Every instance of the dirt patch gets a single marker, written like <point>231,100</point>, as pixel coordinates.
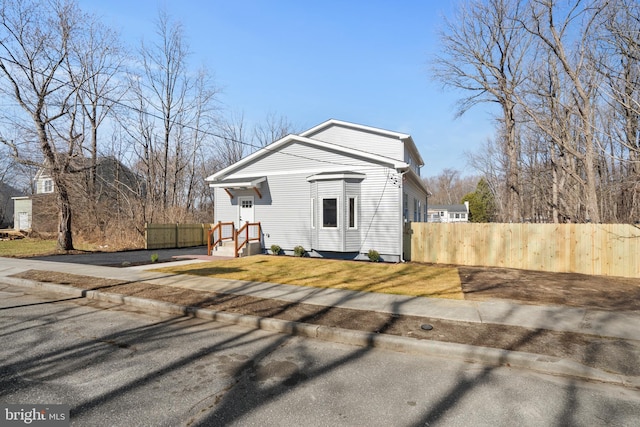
<point>609,354</point>
<point>537,287</point>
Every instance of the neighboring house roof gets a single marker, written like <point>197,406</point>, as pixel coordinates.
<point>7,193</point>
<point>401,166</point>
<point>108,168</point>
<point>448,208</point>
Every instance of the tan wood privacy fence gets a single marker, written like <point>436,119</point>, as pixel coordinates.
<point>163,236</point>
<point>597,249</point>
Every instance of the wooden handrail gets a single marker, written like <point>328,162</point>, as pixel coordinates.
<point>219,227</point>
<point>245,229</point>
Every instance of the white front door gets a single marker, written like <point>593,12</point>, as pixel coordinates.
<point>245,210</point>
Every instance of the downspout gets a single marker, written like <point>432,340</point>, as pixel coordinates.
<point>402,171</point>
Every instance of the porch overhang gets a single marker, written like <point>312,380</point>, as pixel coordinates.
<point>228,185</point>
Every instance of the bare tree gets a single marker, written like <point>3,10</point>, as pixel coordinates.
<point>272,129</point>
<point>232,144</point>
<point>449,187</point>
<point>484,52</point>
<point>577,99</point>
<point>202,122</point>
<point>551,28</point>
<point>165,86</point>
<point>619,63</point>
<point>99,57</point>
<point>489,161</point>
<point>172,118</point>
<point>35,40</point>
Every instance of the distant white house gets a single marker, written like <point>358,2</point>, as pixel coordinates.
<point>338,189</point>
<point>448,213</point>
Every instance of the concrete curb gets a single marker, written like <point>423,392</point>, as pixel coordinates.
<point>474,354</point>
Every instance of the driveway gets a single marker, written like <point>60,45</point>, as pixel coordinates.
<point>127,258</point>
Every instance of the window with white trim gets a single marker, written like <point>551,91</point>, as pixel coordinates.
<point>313,212</point>
<point>47,186</point>
<point>353,212</point>
<point>330,213</point>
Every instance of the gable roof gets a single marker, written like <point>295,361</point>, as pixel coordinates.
<point>406,138</point>
<point>289,139</point>
<point>448,208</point>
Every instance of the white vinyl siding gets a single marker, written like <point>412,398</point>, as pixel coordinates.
<point>415,200</point>
<point>284,211</point>
<point>298,157</point>
<point>381,214</point>
<point>411,160</point>
<point>291,207</point>
<point>363,141</point>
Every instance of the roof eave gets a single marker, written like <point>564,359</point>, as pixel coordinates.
<point>335,122</point>
<point>400,166</point>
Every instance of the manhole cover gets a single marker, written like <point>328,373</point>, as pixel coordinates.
<point>426,327</point>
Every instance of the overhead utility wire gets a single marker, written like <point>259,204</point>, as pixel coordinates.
<point>187,126</point>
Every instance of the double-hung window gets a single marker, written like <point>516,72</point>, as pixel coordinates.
<point>48,186</point>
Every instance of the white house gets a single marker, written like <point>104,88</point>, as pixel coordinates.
<point>338,189</point>
<point>449,213</point>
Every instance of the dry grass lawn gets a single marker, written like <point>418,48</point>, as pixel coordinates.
<point>28,247</point>
<point>401,279</point>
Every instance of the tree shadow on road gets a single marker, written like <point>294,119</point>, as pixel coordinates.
<point>246,390</point>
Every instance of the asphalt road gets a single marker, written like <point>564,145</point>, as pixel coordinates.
<point>119,367</point>
<point>116,259</point>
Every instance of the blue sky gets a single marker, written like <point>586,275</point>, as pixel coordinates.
<point>360,61</point>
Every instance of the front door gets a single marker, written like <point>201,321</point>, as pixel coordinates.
<point>245,210</point>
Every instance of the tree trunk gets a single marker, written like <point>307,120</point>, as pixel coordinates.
<point>513,155</point>
<point>65,239</point>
